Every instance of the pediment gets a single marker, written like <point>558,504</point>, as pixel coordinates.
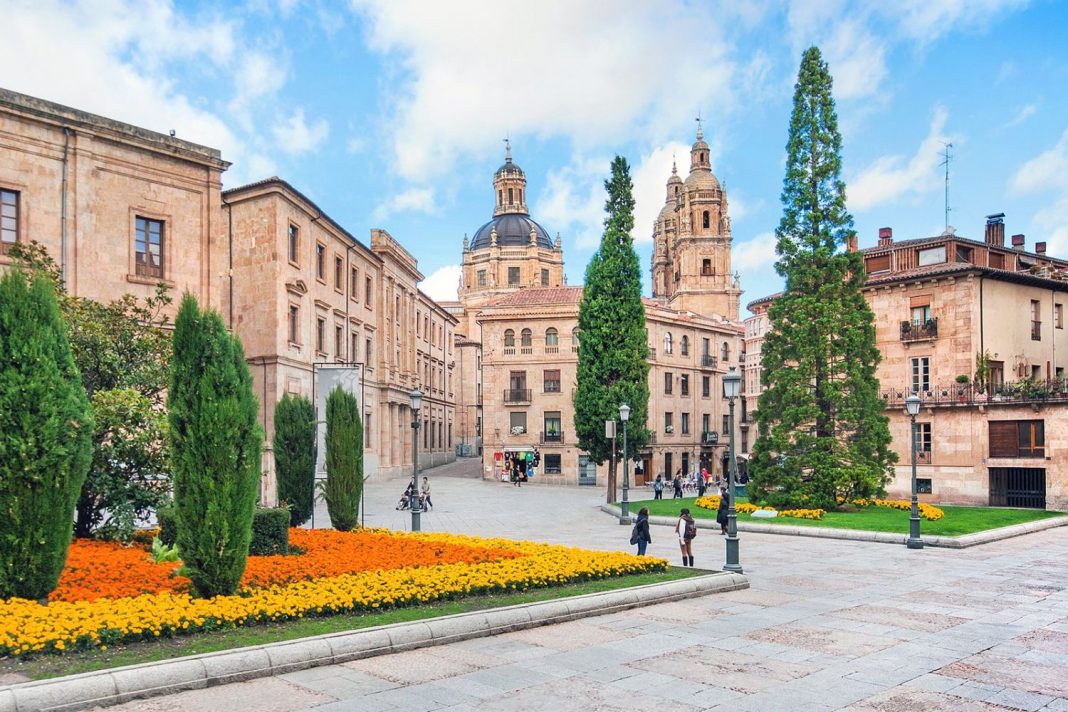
<point>297,287</point>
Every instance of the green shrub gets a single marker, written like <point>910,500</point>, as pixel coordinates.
<point>45,437</point>
<point>270,532</point>
<point>168,525</point>
<point>216,450</point>
<point>344,459</point>
<point>294,456</point>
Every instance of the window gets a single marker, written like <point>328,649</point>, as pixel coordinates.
<point>500,197</point>
<point>575,339</point>
<point>294,324</point>
<point>551,379</point>
<point>368,292</point>
<point>511,196</point>
<point>552,426</point>
<point>367,351</point>
<point>669,422</point>
<point>965,254</point>
<point>923,485</point>
<point>706,386</point>
<point>320,334</point>
<point>552,337</point>
<point>684,384</point>
<point>320,261</point>
<point>921,374</point>
<point>367,429</point>
<point>685,422</point>
<point>706,347</point>
<point>704,220</point>
<point>1058,316</point>
<point>706,423</point>
<point>526,338</point>
<point>880,263</point>
<point>339,342</point>
<point>706,268</point>
<point>513,276</point>
<point>1036,321</point>
<point>354,347</point>
<point>509,339</point>
<point>725,352</point>
<point>354,284</point>
<point>931,256</point>
<point>339,271</point>
<point>684,345</point>
<point>545,278</point>
<point>480,277</point>
<point>9,219</point>
<point>726,425</point>
<point>517,422</point>
<point>997,373</point>
<point>923,439</point>
<point>148,247</point>
<point>1017,438</point>
<point>668,381</point>
<point>294,244</point>
<point>552,465</point>
<point>667,343</point>
<point>997,260</point>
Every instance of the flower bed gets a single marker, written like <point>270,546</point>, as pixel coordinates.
<point>927,511</point>
<point>375,575</point>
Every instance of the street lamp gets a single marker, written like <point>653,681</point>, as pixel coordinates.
<point>912,407</point>
<point>732,387</point>
<point>624,512</point>
<point>417,402</point>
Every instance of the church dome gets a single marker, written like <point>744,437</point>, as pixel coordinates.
<point>509,168</point>
<point>701,179</point>
<point>513,230</point>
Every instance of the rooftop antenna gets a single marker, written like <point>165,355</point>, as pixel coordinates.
<point>946,158</point>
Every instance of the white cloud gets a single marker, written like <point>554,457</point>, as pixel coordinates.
<point>441,286</point>
<point>891,177</point>
<point>413,200</point>
<point>650,185</point>
<point>754,256</point>
<point>573,200</point>
<point>598,73</point>
<point>258,74</point>
<point>295,136</point>
<point>1025,112</point>
<point>928,20</point>
<point>857,60</point>
<point>356,145</point>
<point>1048,173</point>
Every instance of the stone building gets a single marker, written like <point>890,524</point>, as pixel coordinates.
<point>976,329</point>
<point>517,306</point>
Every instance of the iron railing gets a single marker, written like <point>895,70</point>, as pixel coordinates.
<point>516,395</point>
<point>918,331</point>
<point>708,361</point>
<point>961,394</point>
<point>556,436</point>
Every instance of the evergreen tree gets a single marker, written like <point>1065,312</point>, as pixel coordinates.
<point>294,455</point>
<point>216,448</point>
<point>822,432</point>
<point>612,365</point>
<point>45,437</point>
<point>344,459</point>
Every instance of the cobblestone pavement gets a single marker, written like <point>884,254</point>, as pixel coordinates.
<point>826,625</point>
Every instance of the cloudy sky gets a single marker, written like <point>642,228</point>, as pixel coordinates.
<point>391,113</point>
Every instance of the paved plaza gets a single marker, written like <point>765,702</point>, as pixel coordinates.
<point>826,625</point>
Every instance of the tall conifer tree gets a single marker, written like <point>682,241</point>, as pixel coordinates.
<point>344,460</point>
<point>613,349</point>
<point>294,456</point>
<point>822,432</point>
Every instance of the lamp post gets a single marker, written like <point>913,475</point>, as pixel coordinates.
<point>624,511</point>
<point>912,407</point>
<point>732,387</point>
<point>417,402</point>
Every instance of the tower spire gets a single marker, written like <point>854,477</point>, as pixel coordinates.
<point>674,168</point>
<point>700,132</point>
<point>507,150</point>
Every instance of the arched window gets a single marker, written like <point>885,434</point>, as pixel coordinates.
<point>509,339</point>
<point>525,337</point>
<point>684,345</point>
<point>552,337</point>
<point>667,342</point>
<point>575,339</point>
<point>704,219</point>
<point>510,193</point>
<point>725,352</point>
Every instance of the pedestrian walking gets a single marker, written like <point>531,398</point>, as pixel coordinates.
<point>640,533</point>
<point>686,528</point>
<point>721,513</point>
<point>700,485</point>
<point>658,488</point>
<point>426,494</point>
<point>676,493</point>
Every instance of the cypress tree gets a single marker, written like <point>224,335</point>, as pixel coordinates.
<point>822,432</point>
<point>294,456</point>
<point>344,459</point>
<point>216,448</point>
<point>45,437</point>
<point>612,365</point>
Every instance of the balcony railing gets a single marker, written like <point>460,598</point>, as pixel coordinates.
<point>516,395</point>
<point>556,437</point>
<point>709,437</point>
<point>968,394</point>
<point>919,331</point>
<point>708,361</point>
<point>923,457</point>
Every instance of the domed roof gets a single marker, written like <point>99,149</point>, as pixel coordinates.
<point>509,168</point>
<point>513,230</point>
<point>702,179</point>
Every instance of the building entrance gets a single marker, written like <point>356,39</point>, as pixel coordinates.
<point>1018,487</point>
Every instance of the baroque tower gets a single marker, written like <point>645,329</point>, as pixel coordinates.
<point>691,259</point>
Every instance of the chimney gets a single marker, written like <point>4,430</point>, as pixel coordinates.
<point>1017,242</point>
<point>995,229</point>
<point>1040,248</point>
<point>851,243</point>
<point>886,236</point>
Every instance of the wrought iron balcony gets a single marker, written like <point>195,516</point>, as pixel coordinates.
<point>708,361</point>
<point>517,395</point>
<point>555,436</point>
<point>919,331</point>
<point>969,394</point>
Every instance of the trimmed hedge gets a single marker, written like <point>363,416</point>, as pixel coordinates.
<point>270,530</point>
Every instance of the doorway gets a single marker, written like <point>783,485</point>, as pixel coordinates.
<point>1018,487</point>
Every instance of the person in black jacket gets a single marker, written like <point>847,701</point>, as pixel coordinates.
<point>721,513</point>
<point>641,529</point>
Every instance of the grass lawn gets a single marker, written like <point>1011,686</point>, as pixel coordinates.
<point>46,666</point>
<point>957,520</point>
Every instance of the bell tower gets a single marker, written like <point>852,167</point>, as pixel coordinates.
<point>510,185</point>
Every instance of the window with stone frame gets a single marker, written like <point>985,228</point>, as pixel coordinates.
<point>685,423</point>
<point>354,284</point>
<point>480,278</point>
<point>667,342</point>
<point>552,464</point>
<point>921,374</point>
<point>293,239</point>
<point>513,276</point>
<point>517,422</point>
<point>339,274</point>
<point>545,278</point>
<point>684,384</point>
<point>368,292</point>
<point>706,268</point>
<point>339,342</point>
<point>320,261</point>
<point>9,219</point>
<point>320,335</point>
<point>669,422</point>
<point>684,345</point>
<point>669,381</point>
<point>148,247</point>
<point>706,386</point>
<point>551,380</point>
<point>294,324</point>
<point>1017,438</point>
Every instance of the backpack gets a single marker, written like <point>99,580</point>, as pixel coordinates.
<point>634,534</point>
<point>658,486</point>
<point>691,530</point>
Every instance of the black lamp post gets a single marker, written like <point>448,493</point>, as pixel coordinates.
<point>732,387</point>
<point>417,403</point>
<point>912,407</point>
<point>624,511</point>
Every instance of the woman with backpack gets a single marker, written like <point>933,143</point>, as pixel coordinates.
<point>686,528</point>
<point>640,534</point>
<point>658,488</point>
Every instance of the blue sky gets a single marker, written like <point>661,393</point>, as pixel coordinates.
<point>391,113</point>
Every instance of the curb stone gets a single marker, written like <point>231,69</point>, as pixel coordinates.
<point>947,542</point>
<point>118,685</point>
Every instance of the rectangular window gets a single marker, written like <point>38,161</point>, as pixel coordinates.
<point>669,422</point>
<point>706,423</point>
<point>931,256</point>
<point>545,278</point>
<point>513,276</point>
<point>9,219</point>
<point>294,244</point>
<point>1036,320</point>
<point>684,384</point>
<point>339,271</point>
<point>685,422</point>
<point>354,347</point>
<point>320,334</point>
<point>997,373</point>
<point>552,381</point>
<point>706,386</point>
<point>551,425</point>
<point>1058,316</point>
<point>294,324</point>
<point>706,268</point>
<point>668,380</point>
<point>552,465</point>
<point>997,260</point>
<point>726,424</point>
<point>354,284</point>
<point>148,247</point>
<point>921,374</point>
<point>367,429</point>
<point>367,353</point>
<point>320,261</point>
<point>880,263</point>
<point>517,422</point>
<point>1017,438</point>
<point>480,277</point>
<point>368,292</point>
<point>965,254</point>
<point>923,438</point>
<point>921,315</point>
<point>339,343</point>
